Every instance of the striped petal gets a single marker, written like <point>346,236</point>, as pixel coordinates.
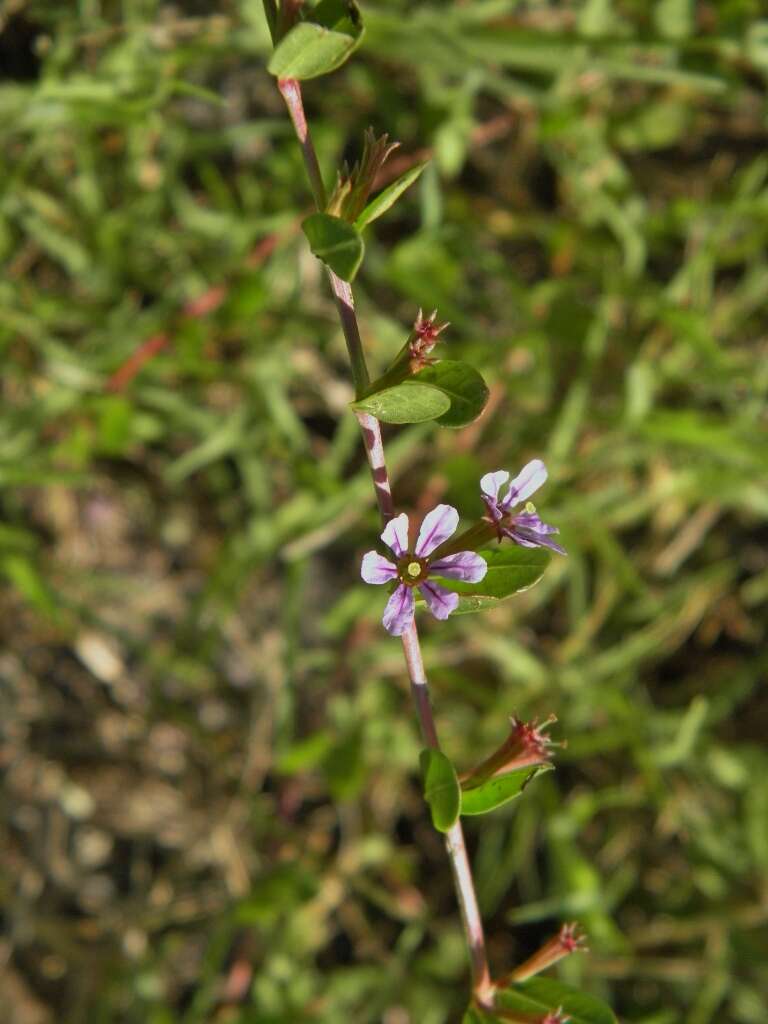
<point>492,483</point>
<point>399,611</point>
<point>438,526</point>
<point>467,566</point>
<point>395,535</point>
<point>528,480</point>
<point>441,602</point>
<point>377,569</point>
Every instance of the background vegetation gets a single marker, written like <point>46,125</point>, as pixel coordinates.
<point>211,807</point>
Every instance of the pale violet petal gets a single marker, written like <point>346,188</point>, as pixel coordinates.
<point>395,535</point>
<point>529,539</point>
<point>398,614</point>
<point>467,566</point>
<point>438,526</point>
<point>528,480</point>
<point>531,521</point>
<point>376,568</point>
<point>441,602</point>
<point>492,483</point>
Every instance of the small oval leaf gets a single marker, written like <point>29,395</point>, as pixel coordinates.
<point>441,789</point>
<point>313,48</point>
<point>335,242</point>
<point>511,570</point>
<point>496,791</point>
<point>462,384</point>
<point>408,402</point>
<point>542,995</point>
<point>386,199</point>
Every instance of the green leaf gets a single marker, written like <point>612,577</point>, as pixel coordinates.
<point>511,570</point>
<point>335,242</point>
<point>474,1015</point>
<point>464,387</point>
<point>441,789</point>
<point>384,200</point>
<point>315,47</point>
<point>497,791</point>
<point>540,995</point>
<point>451,392</point>
<point>408,402</point>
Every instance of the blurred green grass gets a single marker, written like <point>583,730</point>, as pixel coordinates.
<point>211,809</point>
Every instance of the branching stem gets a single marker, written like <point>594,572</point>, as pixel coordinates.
<point>374,449</point>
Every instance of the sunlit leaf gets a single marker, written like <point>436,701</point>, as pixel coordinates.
<point>441,789</point>
<point>313,48</point>
<point>386,199</point>
<point>408,402</point>
<point>336,242</point>
<point>496,791</point>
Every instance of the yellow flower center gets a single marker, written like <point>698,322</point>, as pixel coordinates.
<point>413,569</point>
<point>530,508</point>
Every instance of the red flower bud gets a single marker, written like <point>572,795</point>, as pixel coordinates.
<point>423,339</point>
<point>527,746</point>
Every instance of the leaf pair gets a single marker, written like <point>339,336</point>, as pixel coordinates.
<point>447,800</point>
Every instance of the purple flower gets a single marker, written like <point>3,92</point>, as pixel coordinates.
<point>524,527</point>
<point>414,569</point>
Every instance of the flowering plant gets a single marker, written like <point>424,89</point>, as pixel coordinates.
<point>450,572</point>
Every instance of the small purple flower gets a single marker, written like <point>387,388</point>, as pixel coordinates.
<point>414,569</point>
<point>524,527</point>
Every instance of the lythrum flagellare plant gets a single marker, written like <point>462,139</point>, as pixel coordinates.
<point>506,550</point>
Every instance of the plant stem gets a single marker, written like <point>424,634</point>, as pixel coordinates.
<point>290,90</point>
<point>345,304</point>
<point>374,450</point>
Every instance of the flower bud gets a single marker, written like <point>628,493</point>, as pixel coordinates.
<point>353,187</point>
<point>569,939</point>
<point>526,746</point>
<point>423,339</point>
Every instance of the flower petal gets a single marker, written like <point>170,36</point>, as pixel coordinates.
<point>492,483</point>
<point>529,539</point>
<point>376,568</point>
<point>441,601</point>
<point>467,566</point>
<point>529,479</point>
<point>438,526</point>
<point>395,535</point>
<point>399,611</point>
<point>531,521</point>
